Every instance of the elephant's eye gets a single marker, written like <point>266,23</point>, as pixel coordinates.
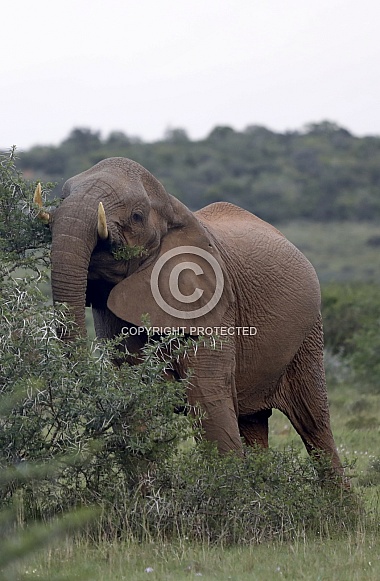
<point>137,218</point>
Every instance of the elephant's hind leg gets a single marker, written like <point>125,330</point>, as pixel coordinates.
<point>302,397</point>
<point>254,428</point>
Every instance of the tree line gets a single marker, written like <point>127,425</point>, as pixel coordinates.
<point>321,173</point>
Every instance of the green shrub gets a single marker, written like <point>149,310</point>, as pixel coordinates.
<point>25,341</point>
<point>268,495</point>
<point>351,315</point>
<point>349,310</point>
<point>24,242</point>
<point>73,402</point>
<point>365,359</point>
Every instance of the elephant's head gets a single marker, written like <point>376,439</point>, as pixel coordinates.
<point>114,224</point>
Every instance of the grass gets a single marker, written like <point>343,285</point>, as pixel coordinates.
<point>356,557</point>
<point>339,251</point>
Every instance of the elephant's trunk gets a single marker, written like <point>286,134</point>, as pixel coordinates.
<point>74,239</point>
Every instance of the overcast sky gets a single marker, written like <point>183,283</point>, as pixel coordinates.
<point>143,66</point>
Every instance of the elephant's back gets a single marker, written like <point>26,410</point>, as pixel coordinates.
<point>237,220</point>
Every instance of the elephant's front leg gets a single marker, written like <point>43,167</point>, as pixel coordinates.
<point>212,390</point>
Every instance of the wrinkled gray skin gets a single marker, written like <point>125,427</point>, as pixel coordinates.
<point>268,284</point>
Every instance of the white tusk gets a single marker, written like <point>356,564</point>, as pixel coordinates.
<point>102,222</point>
<point>37,199</point>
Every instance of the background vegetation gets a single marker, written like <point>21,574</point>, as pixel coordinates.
<point>165,506</point>
<point>322,173</point>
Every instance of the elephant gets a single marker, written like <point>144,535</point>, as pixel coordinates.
<point>217,271</point>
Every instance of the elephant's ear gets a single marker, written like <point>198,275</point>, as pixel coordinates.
<point>186,286</point>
